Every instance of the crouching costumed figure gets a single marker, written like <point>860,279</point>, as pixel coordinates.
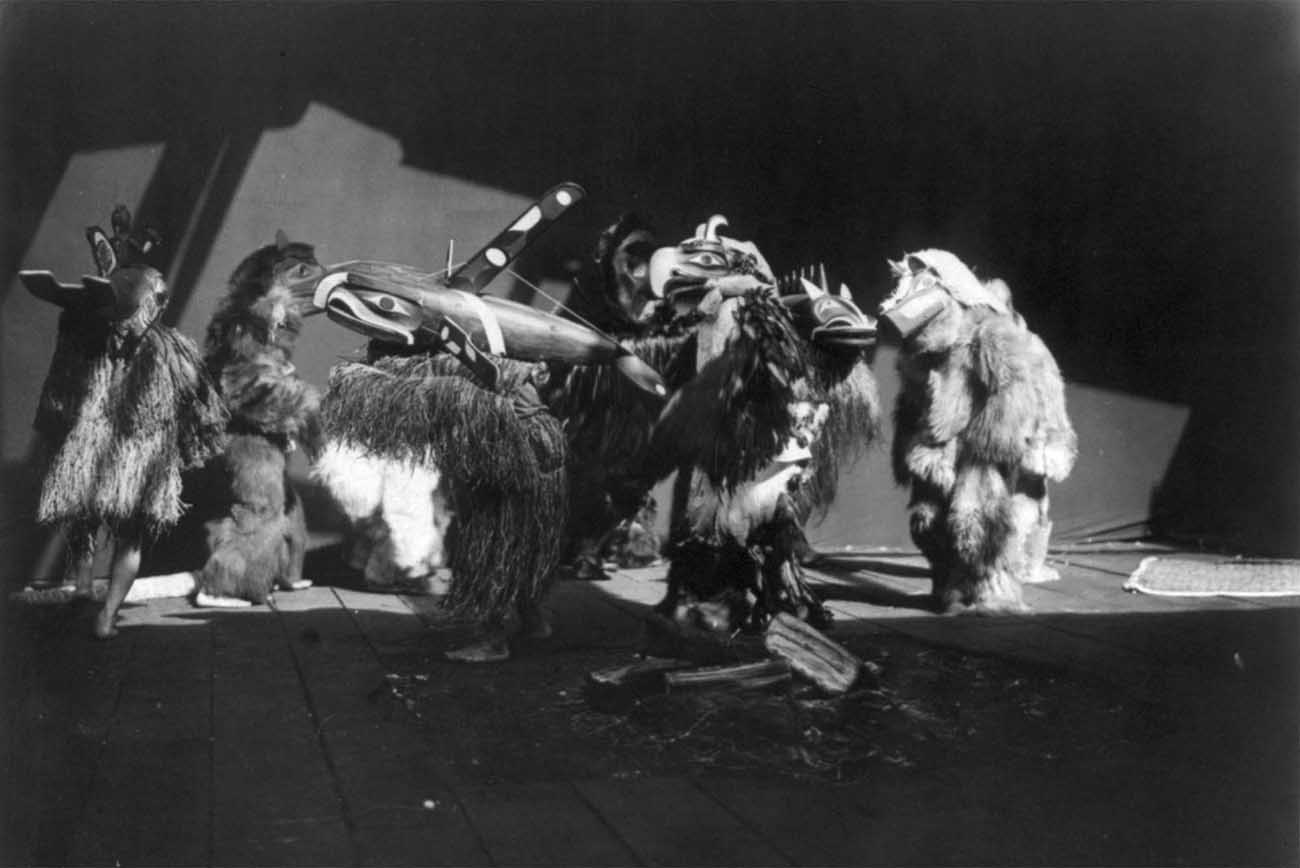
<point>441,438</point>
<point>127,406</point>
<point>980,429</point>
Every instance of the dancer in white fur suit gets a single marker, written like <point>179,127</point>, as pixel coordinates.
<point>980,429</point>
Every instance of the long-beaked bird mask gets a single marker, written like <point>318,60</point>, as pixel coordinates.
<point>400,305</point>
<point>683,275</point>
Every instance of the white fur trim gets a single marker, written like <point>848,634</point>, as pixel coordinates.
<point>417,518</point>
<point>959,280</point>
<point>354,478</point>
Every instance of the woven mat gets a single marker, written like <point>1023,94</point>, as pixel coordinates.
<point>1185,577</point>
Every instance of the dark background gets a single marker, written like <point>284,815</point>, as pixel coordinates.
<point>1130,169</point>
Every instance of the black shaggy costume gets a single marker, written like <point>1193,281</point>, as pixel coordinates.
<point>853,423</point>
<point>608,421</point>
<point>737,535</point>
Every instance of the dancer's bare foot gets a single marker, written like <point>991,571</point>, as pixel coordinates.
<point>125,567</point>
<point>494,649</point>
<point>105,626</point>
<point>1042,573</point>
<point>296,585</point>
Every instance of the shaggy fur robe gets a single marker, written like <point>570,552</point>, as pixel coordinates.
<point>256,533</point>
<point>608,423</point>
<point>853,423</point>
<point>980,428</point>
<point>736,537</point>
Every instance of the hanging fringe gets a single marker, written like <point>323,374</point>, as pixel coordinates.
<point>129,427</point>
<point>769,363</point>
<point>607,418</point>
<point>404,408</point>
<point>502,453</point>
<point>852,426</point>
<point>608,423</point>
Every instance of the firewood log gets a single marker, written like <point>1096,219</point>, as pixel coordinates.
<point>824,662</point>
<point>739,676</point>
<point>616,689</point>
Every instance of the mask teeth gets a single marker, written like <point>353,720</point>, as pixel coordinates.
<point>791,283</point>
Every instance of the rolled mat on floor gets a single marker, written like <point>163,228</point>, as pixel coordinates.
<point>1187,577</point>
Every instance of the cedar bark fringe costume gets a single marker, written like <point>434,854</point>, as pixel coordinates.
<point>256,533</point>
<point>125,408</point>
<point>500,458</point>
<point>980,428</point>
<point>738,433</point>
<point>451,393</point>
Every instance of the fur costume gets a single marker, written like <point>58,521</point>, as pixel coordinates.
<point>255,531</point>
<point>738,432</point>
<point>608,421</point>
<point>126,407</point>
<point>980,429</point>
<point>841,342</point>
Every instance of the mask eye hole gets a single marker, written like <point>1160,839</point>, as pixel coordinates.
<point>707,259</point>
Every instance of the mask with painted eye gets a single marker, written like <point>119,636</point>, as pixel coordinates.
<point>831,320</point>
<point>682,274</point>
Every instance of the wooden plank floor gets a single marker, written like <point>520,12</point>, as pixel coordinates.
<point>271,737</point>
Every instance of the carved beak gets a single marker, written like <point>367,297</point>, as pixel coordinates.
<point>846,332</point>
<point>374,313</point>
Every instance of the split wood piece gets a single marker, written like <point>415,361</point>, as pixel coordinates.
<point>810,653</point>
<point>618,689</point>
<point>644,677</point>
<point>739,676</point>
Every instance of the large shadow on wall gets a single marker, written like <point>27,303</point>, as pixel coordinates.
<point>1130,170</point>
<point>89,78</point>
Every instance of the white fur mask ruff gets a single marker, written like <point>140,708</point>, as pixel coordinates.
<point>927,269</point>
